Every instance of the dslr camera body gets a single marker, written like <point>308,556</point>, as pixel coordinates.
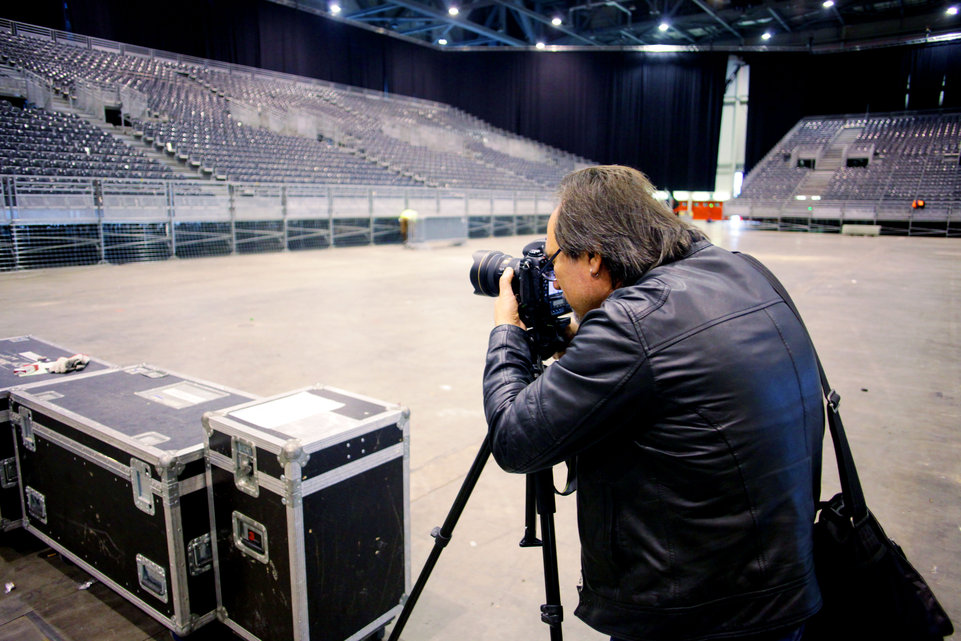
<point>540,303</point>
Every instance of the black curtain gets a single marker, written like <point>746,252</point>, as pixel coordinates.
<point>660,114</point>
<point>787,87</point>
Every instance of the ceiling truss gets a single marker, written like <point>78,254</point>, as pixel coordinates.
<point>648,24</point>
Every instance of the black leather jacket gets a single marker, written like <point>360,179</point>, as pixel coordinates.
<point>692,403</point>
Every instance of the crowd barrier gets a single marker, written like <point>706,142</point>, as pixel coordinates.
<point>893,217</point>
<point>50,222</point>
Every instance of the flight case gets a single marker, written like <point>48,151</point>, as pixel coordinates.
<point>112,471</point>
<point>311,511</point>
<point>15,352</point>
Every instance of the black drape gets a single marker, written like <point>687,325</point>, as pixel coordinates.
<point>660,114</point>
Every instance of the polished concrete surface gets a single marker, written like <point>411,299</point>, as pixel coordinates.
<point>402,325</point>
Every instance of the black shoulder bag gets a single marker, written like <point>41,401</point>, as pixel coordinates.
<point>870,589</point>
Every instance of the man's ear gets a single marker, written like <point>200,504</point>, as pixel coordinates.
<point>596,261</point>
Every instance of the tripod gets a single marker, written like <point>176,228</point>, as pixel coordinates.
<point>539,500</point>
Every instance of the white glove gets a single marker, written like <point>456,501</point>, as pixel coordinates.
<point>62,365</point>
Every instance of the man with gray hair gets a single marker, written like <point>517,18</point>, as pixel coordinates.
<point>690,399</point>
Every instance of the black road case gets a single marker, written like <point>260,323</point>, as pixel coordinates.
<point>112,471</point>
<point>15,352</point>
<point>311,510</point>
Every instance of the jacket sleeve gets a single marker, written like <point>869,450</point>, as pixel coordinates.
<point>601,383</point>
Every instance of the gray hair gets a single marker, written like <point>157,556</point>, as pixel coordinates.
<point>611,210</point>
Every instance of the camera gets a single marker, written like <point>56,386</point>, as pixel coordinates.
<point>541,305</point>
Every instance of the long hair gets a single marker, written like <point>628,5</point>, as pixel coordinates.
<point>611,210</point>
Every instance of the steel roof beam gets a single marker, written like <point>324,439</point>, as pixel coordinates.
<point>525,22</point>
<point>837,14</point>
<point>684,35</point>
<point>630,36</point>
<point>778,17</point>
<point>462,23</point>
<point>371,11</point>
<point>641,28</point>
<point>516,7</point>
<point>424,29</point>
<point>706,9</point>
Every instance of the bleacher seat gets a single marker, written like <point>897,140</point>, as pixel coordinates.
<point>190,116</point>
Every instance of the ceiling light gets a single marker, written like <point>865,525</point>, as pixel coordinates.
<point>952,11</point>
<point>442,41</point>
<point>766,36</point>
<point>827,4</point>
<point>453,11</point>
<point>334,8</point>
<point>661,48</point>
<point>663,26</point>
<point>540,45</point>
<point>557,21</point>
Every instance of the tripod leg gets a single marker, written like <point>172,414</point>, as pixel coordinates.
<point>530,539</point>
<point>442,536</point>
<point>552,612</point>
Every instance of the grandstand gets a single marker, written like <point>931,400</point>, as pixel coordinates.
<point>899,171</point>
<point>198,114</point>
<point>109,152</point>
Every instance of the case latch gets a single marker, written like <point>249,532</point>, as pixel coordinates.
<point>152,577</point>
<point>36,504</point>
<point>245,465</point>
<point>200,555</point>
<point>25,418</point>
<point>8,473</point>
<point>141,486</point>
<point>250,537</point>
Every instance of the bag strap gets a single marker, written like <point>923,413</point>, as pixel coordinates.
<point>847,472</point>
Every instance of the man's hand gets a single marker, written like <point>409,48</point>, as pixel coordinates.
<point>505,305</point>
<point>569,332</point>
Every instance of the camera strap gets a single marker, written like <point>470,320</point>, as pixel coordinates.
<point>570,485</point>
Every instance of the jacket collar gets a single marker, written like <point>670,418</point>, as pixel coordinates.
<point>698,245</point>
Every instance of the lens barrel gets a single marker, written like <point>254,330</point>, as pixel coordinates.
<point>485,273</point>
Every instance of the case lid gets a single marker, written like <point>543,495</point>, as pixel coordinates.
<point>141,404</point>
<point>311,416</point>
<point>21,350</point>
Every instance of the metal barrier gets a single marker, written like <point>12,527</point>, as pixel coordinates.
<point>894,217</point>
<point>49,221</point>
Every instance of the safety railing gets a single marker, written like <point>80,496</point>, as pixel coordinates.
<point>49,221</point>
<point>895,217</point>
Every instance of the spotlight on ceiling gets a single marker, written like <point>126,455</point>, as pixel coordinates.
<point>453,11</point>
<point>766,35</point>
<point>334,8</point>
<point>663,26</point>
<point>540,45</point>
<point>827,4</point>
<point>556,21</point>
<point>442,41</point>
<point>952,11</point>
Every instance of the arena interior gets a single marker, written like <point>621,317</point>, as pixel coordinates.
<point>269,196</point>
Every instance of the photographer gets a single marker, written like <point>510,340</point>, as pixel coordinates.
<point>690,399</point>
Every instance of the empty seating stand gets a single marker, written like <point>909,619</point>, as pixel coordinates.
<point>899,172</point>
<point>190,116</point>
<point>35,142</point>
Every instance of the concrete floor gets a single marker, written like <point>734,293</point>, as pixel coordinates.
<point>403,326</point>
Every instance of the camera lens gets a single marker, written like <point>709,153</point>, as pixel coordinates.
<point>486,271</point>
